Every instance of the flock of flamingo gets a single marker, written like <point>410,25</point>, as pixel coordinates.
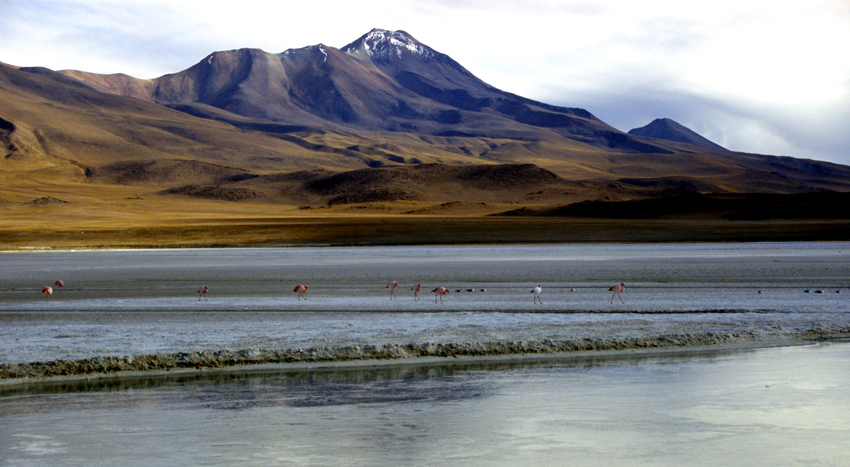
<point>438,292</point>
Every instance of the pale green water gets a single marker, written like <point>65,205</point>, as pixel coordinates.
<point>769,407</point>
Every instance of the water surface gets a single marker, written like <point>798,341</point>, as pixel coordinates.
<point>774,406</point>
<point>142,302</point>
<point>768,407</point>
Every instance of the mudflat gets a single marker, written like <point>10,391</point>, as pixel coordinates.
<point>139,310</point>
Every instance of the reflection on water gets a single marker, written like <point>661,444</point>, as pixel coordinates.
<point>783,406</point>
<point>388,383</point>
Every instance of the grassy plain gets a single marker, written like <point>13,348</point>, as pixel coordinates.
<point>133,223</point>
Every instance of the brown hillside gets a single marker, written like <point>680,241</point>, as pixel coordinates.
<point>256,148</point>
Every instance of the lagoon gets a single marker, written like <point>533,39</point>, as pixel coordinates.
<point>763,407</point>
<point>770,395</point>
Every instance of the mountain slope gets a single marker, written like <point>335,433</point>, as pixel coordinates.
<point>383,81</point>
<point>57,130</point>
<point>62,138</point>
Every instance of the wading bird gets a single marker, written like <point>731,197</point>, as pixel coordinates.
<point>59,284</point>
<point>202,293</point>
<point>617,289</point>
<point>536,291</point>
<point>416,288</point>
<point>300,289</point>
<point>392,286</point>
<point>439,292</point>
<point>47,291</point>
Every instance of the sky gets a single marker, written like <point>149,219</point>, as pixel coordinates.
<point>760,76</point>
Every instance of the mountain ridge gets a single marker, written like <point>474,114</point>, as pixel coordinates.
<point>374,83</point>
<point>238,123</point>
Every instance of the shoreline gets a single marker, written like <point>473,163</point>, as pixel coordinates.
<point>13,375</point>
<point>258,246</point>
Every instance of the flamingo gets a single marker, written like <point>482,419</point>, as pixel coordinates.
<point>617,289</point>
<point>59,284</point>
<point>439,292</point>
<point>300,289</point>
<point>392,286</point>
<point>202,293</point>
<point>536,291</point>
<point>416,288</point>
<point>47,291</point>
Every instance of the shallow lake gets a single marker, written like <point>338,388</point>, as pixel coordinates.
<point>767,407</point>
<point>143,302</point>
<point>773,406</point>
<point>574,277</point>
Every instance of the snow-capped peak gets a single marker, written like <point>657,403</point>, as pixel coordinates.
<point>384,44</point>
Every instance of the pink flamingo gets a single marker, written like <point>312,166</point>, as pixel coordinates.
<point>416,288</point>
<point>439,292</point>
<point>617,289</point>
<point>47,291</point>
<point>392,286</point>
<point>300,289</point>
<point>202,293</point>
<point>59,284</point>
<point>536,291</point>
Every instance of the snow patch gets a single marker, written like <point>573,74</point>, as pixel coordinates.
<point>384,44</point>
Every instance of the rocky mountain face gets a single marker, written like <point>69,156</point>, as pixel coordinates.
<point>383,81</point>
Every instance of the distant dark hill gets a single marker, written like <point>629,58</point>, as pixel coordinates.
<point>425,182</point>
<point>159,172</point>
<point>666,129</point>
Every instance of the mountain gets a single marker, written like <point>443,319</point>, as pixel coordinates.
<point>666,129</point>
<point>384,119</point>
<point>383,81</point>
